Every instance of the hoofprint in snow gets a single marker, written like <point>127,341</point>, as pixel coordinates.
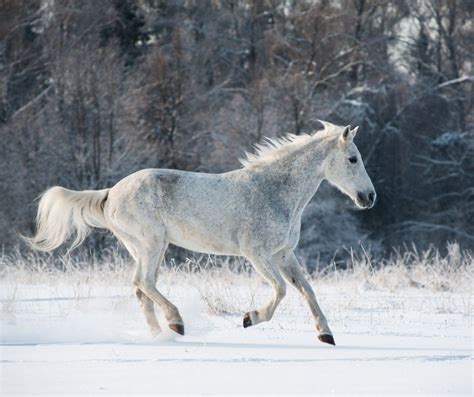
<point>79,332</point>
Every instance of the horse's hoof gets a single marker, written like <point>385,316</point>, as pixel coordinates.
<point>326,338</point>
<point>247,320</point>
<point>178,328</point>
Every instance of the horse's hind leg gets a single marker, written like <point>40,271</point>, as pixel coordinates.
<point>149,259</point>
<point>270,273</point>
<point>146,305</point>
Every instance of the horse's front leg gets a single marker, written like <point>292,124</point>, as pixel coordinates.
<point>292,272</point>
<point>270,272</point>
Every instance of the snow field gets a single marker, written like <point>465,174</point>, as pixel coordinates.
<point>398,331</point>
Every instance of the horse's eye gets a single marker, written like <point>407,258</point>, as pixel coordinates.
<point>353,159</point>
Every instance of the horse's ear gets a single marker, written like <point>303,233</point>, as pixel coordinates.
<point>354,131</point>
<point>346,135</point>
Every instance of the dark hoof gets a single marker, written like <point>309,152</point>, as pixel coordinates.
<point>247,320</point>
<point>178,328</point>
<point>327,339</point>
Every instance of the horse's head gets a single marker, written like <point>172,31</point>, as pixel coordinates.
<point>346,171</point>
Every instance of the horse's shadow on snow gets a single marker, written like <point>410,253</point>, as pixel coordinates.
<point>198,346</point>
<point>243,346</point>
<point>315,347</point>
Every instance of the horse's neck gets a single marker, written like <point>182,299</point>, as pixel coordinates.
<point>298,174</point>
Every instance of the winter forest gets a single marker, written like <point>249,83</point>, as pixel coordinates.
<point>92,91</point>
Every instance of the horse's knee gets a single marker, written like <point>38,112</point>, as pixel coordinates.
<point>139,294</point>
<point>136,279</point>
<point>144,301</point>
<point>148,286</point>
<point>280,290</point>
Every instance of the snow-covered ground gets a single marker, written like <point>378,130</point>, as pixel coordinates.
<point>81,333</point>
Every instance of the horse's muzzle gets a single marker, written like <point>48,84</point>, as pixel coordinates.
<point>366,200</point>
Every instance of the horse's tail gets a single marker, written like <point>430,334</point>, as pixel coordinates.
<point>63,212</point>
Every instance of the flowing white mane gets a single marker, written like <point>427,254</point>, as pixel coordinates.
<point>272,148</point>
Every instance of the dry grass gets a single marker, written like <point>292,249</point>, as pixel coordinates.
<point>225,284</point>
<point>409,269</point>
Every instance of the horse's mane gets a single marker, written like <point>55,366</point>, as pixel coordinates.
<point>272,148</point>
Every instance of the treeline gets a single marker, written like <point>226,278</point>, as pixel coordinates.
<point>94,90</point>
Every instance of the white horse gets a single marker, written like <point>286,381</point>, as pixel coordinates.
<point>254,212</point>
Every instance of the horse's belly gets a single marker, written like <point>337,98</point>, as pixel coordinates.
<point>187,237</point>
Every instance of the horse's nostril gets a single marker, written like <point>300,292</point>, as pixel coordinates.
<point>371,197</point>
<point>361,197</point>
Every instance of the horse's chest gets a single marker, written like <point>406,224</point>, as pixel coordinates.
<point>283,235</point>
